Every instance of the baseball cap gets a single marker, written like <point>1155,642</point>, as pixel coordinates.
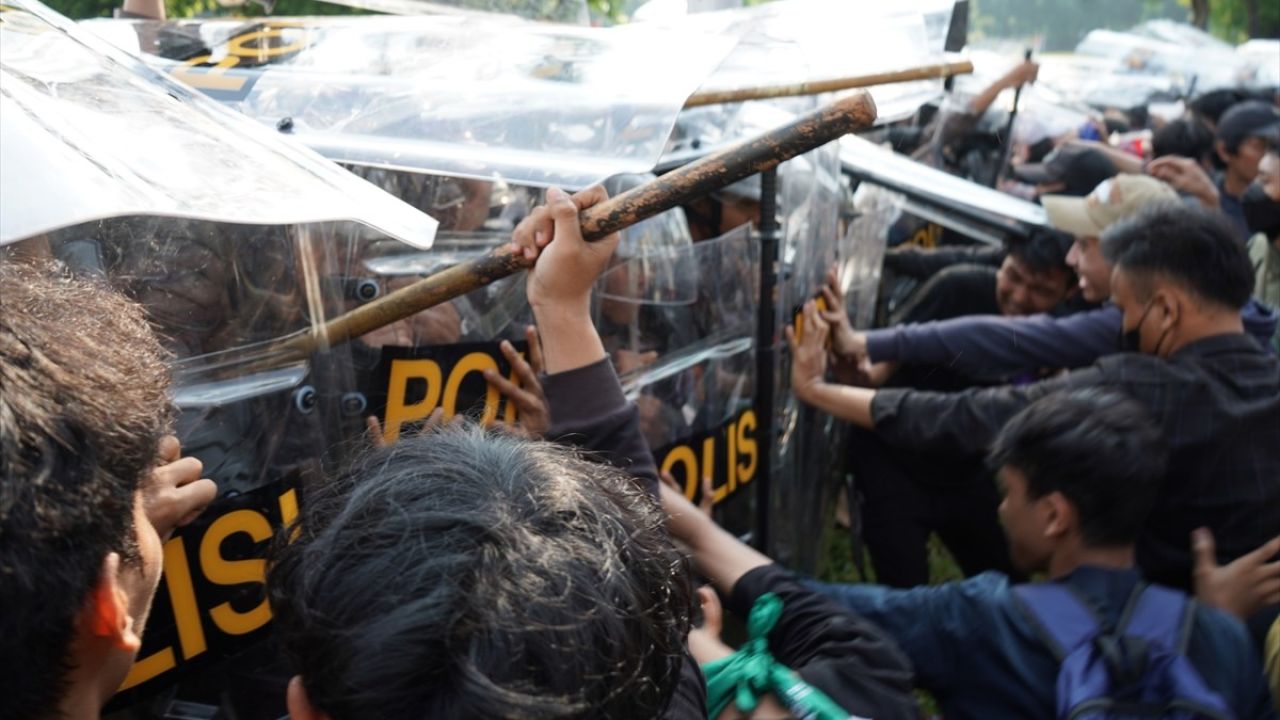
<point>1079,166</point>
<point>1252,118</point>
<point>1113,200</point>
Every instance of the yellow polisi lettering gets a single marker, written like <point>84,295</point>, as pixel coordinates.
<point>213,78</point>
<point>289,512</point>
<point>182,594</point>
<point>476,362</point>
<point>398,413</point>
<point>684,454</point>
<point>222,571</point>
<point>747,447</point>
<point>262,51</point>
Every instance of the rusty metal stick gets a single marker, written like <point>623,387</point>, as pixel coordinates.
<point>679,186</point>
<point>923,72</point>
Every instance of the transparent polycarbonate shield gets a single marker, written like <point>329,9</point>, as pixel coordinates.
<point>810,191</point>
<point>573,12</point>
<point>863,247</point>
<point>90,133</point>
<point>691,371</point>
<point>867,161</point>
<point>1168,49</point>
<point>1264,55</point>
<point>700,419</point>
<point>476,216</point>
<point>653,264</point>
<point>646,337</point>
<point>472,96</point>
<point>221,297</point>
<point>801,41</point>
<point>806,453</point>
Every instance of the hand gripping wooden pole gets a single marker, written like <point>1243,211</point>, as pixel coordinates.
<point>679,186</point>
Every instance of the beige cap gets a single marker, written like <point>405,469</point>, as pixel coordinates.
<point>1113,200</point>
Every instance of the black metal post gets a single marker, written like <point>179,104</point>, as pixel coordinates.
<point>766,334</point>
<point>1007,146</point>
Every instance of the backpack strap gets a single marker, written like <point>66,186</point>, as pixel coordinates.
<point>1160,616</point>
<point>1063,621</point>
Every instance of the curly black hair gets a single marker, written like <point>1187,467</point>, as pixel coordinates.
<point>467,574</point>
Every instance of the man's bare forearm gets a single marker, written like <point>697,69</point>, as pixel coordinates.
<point>153,9</point>
<point>851,404</point>
<point>718,555</point>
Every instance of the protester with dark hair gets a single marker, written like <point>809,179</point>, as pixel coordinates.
<point>85,501</point>
<point>1185,137</point>
<point>1069,170</point>
<point>1006,346</point>
<point>1209,107</point>
<point>1028,275</point>
<point>534,583</point>
<point>1182,157</point>
<point>1179,280</point>
<point>1081,472</point>
<point>537,584</point>
<point>1244,134</point>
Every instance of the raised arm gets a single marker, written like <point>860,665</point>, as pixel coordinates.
<point>989,345</point>
<point>964,422</point>
<point>587,406</point>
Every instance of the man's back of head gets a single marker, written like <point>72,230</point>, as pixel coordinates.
<point>462,574</point>
<point>83,405</point>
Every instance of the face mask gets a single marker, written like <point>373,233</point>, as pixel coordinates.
<point>1131,340</point>
<point>1261,213</point>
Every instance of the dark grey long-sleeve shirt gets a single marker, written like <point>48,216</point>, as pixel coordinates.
<point>588,410</point>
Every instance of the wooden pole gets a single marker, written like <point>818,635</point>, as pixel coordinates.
<point>677,187</point>
<point>924,72</point>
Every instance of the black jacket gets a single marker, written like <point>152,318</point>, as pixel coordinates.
<point>1218,401</point>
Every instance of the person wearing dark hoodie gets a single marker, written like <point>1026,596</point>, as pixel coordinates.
<point>996,346</point>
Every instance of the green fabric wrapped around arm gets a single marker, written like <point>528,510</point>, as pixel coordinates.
<point>751,672</point>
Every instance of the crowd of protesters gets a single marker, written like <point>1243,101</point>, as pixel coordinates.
<point>1088,418</point>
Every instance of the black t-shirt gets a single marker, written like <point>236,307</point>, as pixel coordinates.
<point>965,289</point>
<point>689,701</point>
<point>854,662</point>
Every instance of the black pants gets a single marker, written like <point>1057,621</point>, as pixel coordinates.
<point>908,495</point>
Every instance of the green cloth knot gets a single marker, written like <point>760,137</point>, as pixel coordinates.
<point>752,672</point>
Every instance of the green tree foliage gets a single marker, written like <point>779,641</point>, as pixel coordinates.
<point>80,9</point>
<point>1238,20</point>
<point>1061,24</point>
<point>563,10</point>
